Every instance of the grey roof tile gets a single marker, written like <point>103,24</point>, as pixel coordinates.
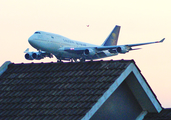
<point>55,90</point>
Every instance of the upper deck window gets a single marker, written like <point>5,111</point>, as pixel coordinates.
<point>37,33</point>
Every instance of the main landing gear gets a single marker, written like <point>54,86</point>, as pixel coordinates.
<point>59,60</point>
<point>82,59</point>
<point>72,60</point>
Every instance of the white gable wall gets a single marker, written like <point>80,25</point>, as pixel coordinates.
<point>121,105</point>
<point>132,81</point>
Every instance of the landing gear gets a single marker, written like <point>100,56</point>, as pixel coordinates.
<point>59,60</point>
<point>75,60</point>
<point>82,59</point>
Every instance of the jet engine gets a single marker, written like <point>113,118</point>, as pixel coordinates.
<point>28,56</point>
<point>89,51</point>
<point>122,49</point>
<point>37,55</point>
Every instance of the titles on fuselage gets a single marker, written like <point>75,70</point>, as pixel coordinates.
<point>78,43</point>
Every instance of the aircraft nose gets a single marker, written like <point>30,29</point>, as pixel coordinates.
<point>31,40</point>
<point>34,42</point>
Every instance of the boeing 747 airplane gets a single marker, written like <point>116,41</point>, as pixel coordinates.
<point>49,44</point>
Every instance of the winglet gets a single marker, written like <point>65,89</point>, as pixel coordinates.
<point>162,40</point>
<point>27,50</point>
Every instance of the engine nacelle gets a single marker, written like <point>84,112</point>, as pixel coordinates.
<point>37,55</point>
<point>90,52</point>
<point>113,51</point>
<point>122,49</point>
<point>28,56</point>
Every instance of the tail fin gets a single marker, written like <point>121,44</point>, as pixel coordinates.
<point>112,39</point>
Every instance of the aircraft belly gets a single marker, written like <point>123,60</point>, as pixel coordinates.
<point>65,55</point>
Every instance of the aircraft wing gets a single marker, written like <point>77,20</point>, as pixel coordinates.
<point>118,48</point>
<point>128,45</point>
<point>132,45</point>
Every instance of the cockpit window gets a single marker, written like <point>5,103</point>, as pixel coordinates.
<point>37,33</point>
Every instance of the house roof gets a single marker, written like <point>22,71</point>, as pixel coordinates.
<point>165,114</point>
<point>65,90</point>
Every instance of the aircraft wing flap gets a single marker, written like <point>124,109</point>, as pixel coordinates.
<point>100,48</point>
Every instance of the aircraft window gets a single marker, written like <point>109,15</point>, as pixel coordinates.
<point>37,33</point>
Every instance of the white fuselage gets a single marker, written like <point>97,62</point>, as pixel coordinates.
<point>49,44</point>
<point>54,43</point>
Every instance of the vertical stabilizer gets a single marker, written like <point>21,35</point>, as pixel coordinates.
<point>112,39</point>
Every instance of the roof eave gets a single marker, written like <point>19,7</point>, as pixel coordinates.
<point>4,67</point>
